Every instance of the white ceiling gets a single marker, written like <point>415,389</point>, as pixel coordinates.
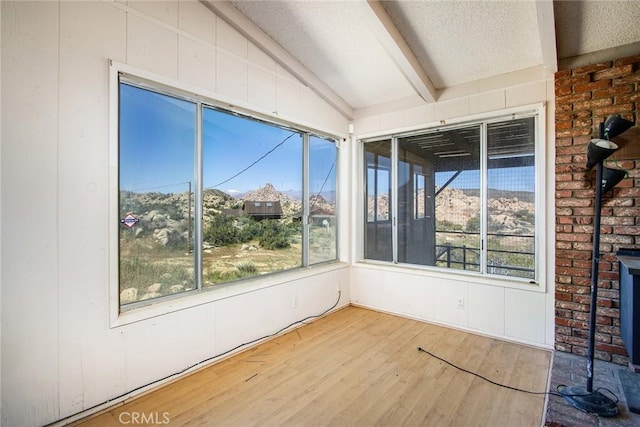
<point>362,54</point>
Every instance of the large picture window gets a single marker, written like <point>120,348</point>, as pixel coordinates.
<point>464,198</point>
<point>208,197</point>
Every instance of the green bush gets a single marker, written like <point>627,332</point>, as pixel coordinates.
<point>220,230</point>
<point>274,235</point>
<point>473,224</point>
<point>249,229</point>
<point>446,225</point>
<point>223,230</point>
<point>247,267</point>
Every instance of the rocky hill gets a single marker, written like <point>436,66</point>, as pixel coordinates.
<point>165,216</point>
<point>268,193</point>
<point>509,212</point>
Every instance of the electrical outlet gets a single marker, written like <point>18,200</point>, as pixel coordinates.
<point>460,304</point>
<point>294,301</point>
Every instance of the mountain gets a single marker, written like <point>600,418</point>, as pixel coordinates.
<point>291,205</point>
<point>510,212</point>
<point>175,206</point>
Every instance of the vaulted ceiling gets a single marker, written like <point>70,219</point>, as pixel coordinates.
<point>362,54</point>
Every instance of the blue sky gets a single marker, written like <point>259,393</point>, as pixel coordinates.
<point>233,143</point>
<point>157,152</point>
<point>157,149</point>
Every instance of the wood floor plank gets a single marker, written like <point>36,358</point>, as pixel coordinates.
<point>356,367</point>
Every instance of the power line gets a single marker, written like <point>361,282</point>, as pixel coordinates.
<point>160,186</point>
<point>315,198</point>
<point>252,164</point>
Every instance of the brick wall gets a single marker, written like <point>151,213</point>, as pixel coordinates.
<point>585,96</point>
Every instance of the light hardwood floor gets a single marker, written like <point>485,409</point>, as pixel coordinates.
<point>355,367</point>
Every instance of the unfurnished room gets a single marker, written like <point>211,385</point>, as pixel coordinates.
<point>327,213</point>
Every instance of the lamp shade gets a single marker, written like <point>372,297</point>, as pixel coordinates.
<point>611,178</point>
<point>598,150</point>
<point>615,125</point>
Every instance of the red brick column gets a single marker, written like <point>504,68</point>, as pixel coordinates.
<point>585,96</point>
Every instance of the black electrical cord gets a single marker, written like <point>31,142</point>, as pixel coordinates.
<point>558,392</point>
<point>175,374</point>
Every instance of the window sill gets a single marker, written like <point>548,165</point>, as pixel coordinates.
<point>457,275</point>
<point>192,299</point>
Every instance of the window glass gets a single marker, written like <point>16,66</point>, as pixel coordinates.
<point>207,196</point>
<point>466,198</point>
<point>439,173</point>
<point>252,198</point>
<point>419,187</point>
<point>378,231</point>
<point>511,198</point>
<point>156,145</point>
<point>322,200</point>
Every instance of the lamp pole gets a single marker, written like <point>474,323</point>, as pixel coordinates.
<point>586,399</point>
<point>595,259</point>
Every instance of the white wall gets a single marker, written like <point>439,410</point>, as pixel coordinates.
<point>59,354</point>
<point>0,227</point>
<point>519,313</point>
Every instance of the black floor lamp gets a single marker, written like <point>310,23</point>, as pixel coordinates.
<point>585,398</point>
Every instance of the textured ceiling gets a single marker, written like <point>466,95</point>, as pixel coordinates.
<point>457,42</point>
<point>320,35</point>
<point>360,54</point>
<point>589,26</point>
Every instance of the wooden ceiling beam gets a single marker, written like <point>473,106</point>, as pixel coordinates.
<point>232,16</point>
<point>396,46</point>
<point>547,31</point>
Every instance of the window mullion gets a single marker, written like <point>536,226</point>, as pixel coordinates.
<point>305,199</point>
<point>539,228</point>
<point>483,199</point>
<point>197,210</point>
<point>394,199</point>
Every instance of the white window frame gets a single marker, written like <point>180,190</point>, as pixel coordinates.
<point>539,111</point>
<point>172,303</point>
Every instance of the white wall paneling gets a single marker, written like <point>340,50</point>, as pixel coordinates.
<point>506,313</point>
<point>59,354</point>
<point>165,11</point>
<point>261,88</point>
<point>30,251</point>
<point>85,344</point>
<point>527,94</point>
<point>195,19</point>
<point>486,309</point>
<point>513,313</point>
<point>1,275</point>
<point>407,294</point>
<point>454,108</point>
<point>489,101</point>
<point>453,301</point>
<point>196,63</point>
<point>152,47</point>
<point>525,313</point>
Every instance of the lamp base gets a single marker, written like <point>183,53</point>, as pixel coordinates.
<point>592,402</point>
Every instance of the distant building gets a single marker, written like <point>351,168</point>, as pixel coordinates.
<point>259,210</point>
<point>317,214</point>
